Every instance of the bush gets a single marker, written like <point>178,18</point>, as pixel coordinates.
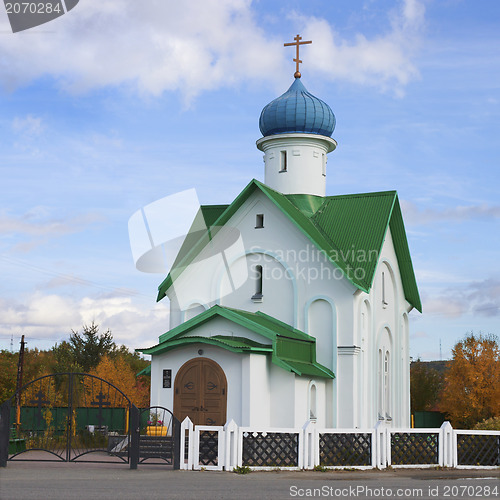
<point>242,470</point>
<point>490,424</point>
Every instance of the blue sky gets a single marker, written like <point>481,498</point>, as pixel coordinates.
<point>119,103</point>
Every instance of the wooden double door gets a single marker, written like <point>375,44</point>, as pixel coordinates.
<point>200,392</point>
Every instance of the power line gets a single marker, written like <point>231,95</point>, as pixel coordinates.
<point>72,278</point>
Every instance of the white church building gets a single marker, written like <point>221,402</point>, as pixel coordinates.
<point>289,305</point>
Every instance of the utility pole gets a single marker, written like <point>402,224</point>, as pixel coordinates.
<point>19,384</point>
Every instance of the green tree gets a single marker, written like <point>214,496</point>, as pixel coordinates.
<point>472,389</point>
<point>8,374</point>
<point>425,386</point>
<point>63,359</point>
<point>90,346</point>
<point>131,358</point>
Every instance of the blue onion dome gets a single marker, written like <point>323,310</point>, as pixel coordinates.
<point>297,111</point>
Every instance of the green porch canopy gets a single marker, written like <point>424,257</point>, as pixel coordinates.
<point>288,347</point>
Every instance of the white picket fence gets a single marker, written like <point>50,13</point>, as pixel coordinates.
<point>224,448</point>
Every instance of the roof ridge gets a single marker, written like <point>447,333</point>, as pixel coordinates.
<point>214,206</point>
<point>362,195</point>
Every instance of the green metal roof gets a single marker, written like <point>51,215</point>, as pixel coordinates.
<point>212,212</point>
<point>145,371</point>
<point>290,348</point>
<point>349,230</point>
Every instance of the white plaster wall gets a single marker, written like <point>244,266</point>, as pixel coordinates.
<point>306,154</point>
<point>381,316</point>
<point>282,396</point>
<point>301,401</point>
<point>256,399</point>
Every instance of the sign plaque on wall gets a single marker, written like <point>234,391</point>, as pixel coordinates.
<point>167,379</point>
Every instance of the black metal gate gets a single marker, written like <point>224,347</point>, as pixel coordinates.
<point>159,437</point>
<point>70,417</point>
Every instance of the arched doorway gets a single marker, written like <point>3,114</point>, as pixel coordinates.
<point>200,392</point>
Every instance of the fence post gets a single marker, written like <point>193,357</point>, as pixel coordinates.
<point>186,425</point>
<point>309,445</point>
<point>134,436</point>
<point>447,444</point>
<point>231,455</point>
<point>381,444</point>
<point>177,450</point>
<point>4,433</point>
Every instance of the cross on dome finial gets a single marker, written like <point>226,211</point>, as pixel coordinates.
<point>297,43</point>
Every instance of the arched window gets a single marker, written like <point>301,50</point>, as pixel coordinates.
<point>387,386</point>
<point>321,323</point>
<point>283,162</point>
<point>257,296</point>
<point>380,387</point>
<point>313,402</point>
<point>384,376</point>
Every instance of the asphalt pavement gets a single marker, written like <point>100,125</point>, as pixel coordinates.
<point>88,481</point>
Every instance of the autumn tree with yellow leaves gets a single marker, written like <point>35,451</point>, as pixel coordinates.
<point>118,372</point>
<point>472,389</point>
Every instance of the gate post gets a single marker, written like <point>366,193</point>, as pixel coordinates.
<point>4,433</point>
<point>134,429</point>
<point>176,445</point>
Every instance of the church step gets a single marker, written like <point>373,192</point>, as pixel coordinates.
<point>155,446</point>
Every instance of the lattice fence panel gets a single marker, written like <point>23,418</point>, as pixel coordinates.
<point>478,449</point>
<point>209,448</point>
<point>342,449</point>
<point>414,448</point>
<point>270,449</point>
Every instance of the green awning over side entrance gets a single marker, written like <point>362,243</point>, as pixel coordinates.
<point>289,348</point>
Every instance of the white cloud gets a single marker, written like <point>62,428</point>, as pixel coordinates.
<point>153,46</point>
<point>414,215</point>
<point>156,46</point>
<point>29,125</point>
<point>479,298</point>
<point>37,227</point>
<point>52,317</point>
<point>384,61</point>
<point>445,306</point>
<point>419,335</point>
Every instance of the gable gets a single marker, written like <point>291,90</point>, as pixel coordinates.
<point>348,229</point>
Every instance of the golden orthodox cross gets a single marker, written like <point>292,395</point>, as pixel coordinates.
<point>297,43</point>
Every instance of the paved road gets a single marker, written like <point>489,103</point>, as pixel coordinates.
<point>68,481</point>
